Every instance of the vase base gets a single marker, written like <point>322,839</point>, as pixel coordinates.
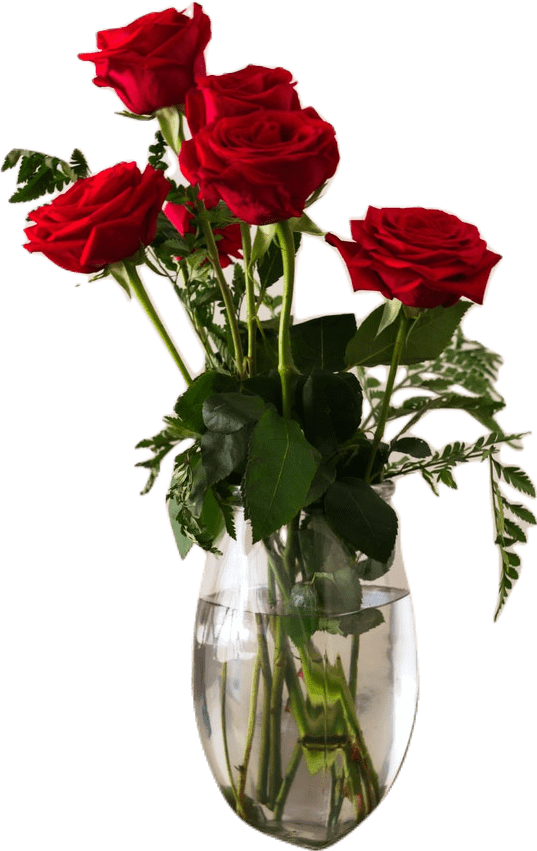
<point>306,835</point>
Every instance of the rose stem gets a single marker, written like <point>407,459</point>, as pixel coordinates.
<point>353,669</point>
<point>265,722</point>
<point>396,357</point>
<point>126,272</point>
<point>224,736</point>
<point>243,769</point>
<point>250,296</point>
<point>287,781</point>
<point>276,697</point>
<point>285,360</point>
<point>212,251</point>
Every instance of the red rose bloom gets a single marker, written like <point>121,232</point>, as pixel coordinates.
<point>264,165</point>
<point>239,93</point>
<point>424,258</point>
<point>101,219</point>
<point>230,243</point>
<point>152,62</point>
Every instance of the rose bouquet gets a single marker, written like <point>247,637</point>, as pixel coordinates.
<point>295,431</point>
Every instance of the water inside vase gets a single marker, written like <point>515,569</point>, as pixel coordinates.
<point>308,761</point>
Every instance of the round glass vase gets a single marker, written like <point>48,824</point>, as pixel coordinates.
<point>305,678</point>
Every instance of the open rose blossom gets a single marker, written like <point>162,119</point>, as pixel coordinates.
<point>152,62</point>
<point>239,93</point>
<point>424,258</point>
<point>228,239</point>
<point>263,165</point>
<point>101,219</point>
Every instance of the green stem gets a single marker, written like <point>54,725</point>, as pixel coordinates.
<point>251,725</point>
<point>287,781</point>
<point>285,359</point>
<point>251,312</point>
<point>353,672</point>
<point>276,697</point>
<point>212,252</point>
<point>126,272</point>
<point>400,340</point>
<point>262,778</point>
<point>224,732</point>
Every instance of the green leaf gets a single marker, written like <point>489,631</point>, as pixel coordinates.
<point>270,264</point>
<point>340,591</point>
<point>391,311</point>
<point>481,408</point>
<point>330,405</point>
<point>519,480</point>
<point>522,512</point>
<point>38,174</point>
<point>360,622</point>
<point>305,225</point>
<point>428,336</point>
<point>322,342</point>
<point>79,163</point>
<point>221,454</point>
<point>229,412</point>
<point>325,475</point>
<point>302,619</point>
<point>160,445</point>
<point>184,544</point>
<point>369,569</point>
<point>279,472</point>
<point>263,238</point>
<point>414,446</point>
<point>514,531</point>
<point>446,476</point>
<point>361,517</point>
<point>189,406</point>
<point>322,551</point>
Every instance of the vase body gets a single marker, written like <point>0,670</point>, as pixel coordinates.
<point>304,710</point>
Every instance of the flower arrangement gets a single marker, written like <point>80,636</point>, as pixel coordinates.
<point>256,158</point>
<point>289,418</point>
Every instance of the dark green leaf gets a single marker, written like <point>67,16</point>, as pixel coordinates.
<point>321,550</point>
<point>360,622</point>
<point>79,163</point>
<point>322,342</point>
<point>414,446</point>
<point>370,570</point>
<point>325,475</point>
<point>184,544</point>
<point>38,174</point>
<point>427,338</point>
<point>301,619</point>
<point>514,531</point>
<point>339,591</point>
<point>361,517</point>
<point>354,462</point>
<point>221,454</point>
<point>330,405</point>
<point>522,512</point>
<point>189,406</point>
<point>279,472</point>
<point>518,479</point>
<point>267,385</point>
<point>229,412</point>
<point>446,476</point>
<point>270,266</point>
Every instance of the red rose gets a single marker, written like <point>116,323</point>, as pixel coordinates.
<point>264,165</point>
<point>101,219</point>
<point>239,93</point>
<point>230,242</point>
<point>152,62</point>
<point>424,258</point>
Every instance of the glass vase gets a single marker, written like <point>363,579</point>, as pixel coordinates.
<point>305,678</point>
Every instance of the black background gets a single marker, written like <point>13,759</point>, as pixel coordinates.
<point>102,606</point>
